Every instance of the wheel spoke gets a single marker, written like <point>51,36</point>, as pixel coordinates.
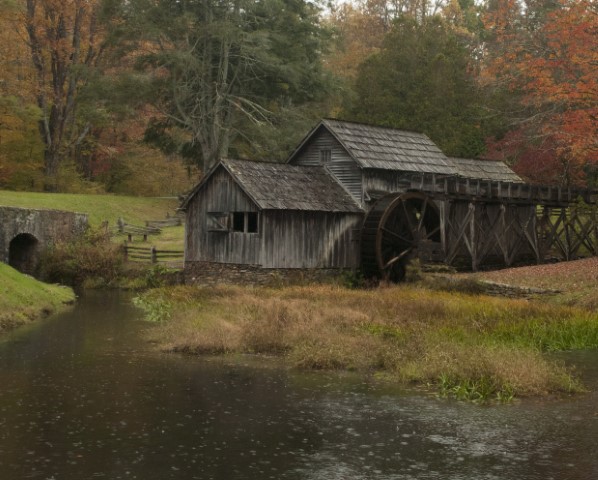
<point>432,233</point>
<point>395,259</point>
<point>402,223</point>
<point>422,215</point>
<point>396,235</point>
<point>411,228</point>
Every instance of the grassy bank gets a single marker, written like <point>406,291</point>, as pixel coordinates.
<point>135,210</point>
<point>469,346</point>
<point>100,208</point>
<point>24,299</point>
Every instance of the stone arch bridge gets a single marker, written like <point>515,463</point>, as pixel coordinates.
<point>25,232</point>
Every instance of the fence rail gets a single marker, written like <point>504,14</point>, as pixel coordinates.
<point>123,228</point>
<point>152,255</point>
<point>168,222</point>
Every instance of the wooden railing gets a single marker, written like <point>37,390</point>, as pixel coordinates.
<point>152,255</point>
<point>123,228</point>
<point>456,187</point>
<point>168,222</point>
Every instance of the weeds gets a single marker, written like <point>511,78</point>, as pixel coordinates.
<point>93,256</point>
<point>157,309</point>
<point>481,348</point>
<point>478,390</point>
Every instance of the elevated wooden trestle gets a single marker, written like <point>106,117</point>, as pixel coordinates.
<point>473,224</point>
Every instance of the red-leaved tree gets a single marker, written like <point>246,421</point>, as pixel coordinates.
<point>546,57</point>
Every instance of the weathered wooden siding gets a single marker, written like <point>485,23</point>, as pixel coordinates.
<point>286,238</point>
<point>341,165</point>
<point>377,182</point>
<point>295,239</point>
<point>220,194</point>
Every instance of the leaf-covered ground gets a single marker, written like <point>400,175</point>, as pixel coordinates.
<point>576,280</point>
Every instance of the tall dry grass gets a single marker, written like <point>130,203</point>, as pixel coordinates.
<point>414,334</point>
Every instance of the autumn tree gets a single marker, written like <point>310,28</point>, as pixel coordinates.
<point>64,42</point>
<point>544,55</point>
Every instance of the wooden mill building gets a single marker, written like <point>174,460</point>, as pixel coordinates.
<point>355,196</point>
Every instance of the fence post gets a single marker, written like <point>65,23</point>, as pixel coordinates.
<point>154,255</point>
<point>126,250</point>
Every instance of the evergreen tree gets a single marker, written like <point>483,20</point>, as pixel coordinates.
<point>422,80</point>
<point>216,69</point>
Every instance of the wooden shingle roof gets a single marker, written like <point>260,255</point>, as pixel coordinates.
<point>389,149</point>
<point>495,171</point>
<point>275,186</point>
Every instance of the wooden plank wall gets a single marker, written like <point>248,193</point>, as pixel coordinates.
<point>341,165</point>
<point>286,238</point>
<point>220,194</point>
<point>294,239</point>
<point>385,181</point>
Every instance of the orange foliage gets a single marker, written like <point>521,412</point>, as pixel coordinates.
<point>554,69</point>
<point>361,31</point>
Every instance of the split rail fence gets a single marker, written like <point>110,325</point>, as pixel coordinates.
<point>152,255</point>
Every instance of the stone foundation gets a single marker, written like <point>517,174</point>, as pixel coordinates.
<point>209,273</point>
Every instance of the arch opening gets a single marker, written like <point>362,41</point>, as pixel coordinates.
<point>23,253</point>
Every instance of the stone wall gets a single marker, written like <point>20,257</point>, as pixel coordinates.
<point>31,230</point>
<point>209,273</point>
<point>514,291</point>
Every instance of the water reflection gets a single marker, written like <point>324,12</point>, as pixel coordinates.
<point>82,398</point>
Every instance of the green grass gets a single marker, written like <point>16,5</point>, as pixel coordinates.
<point>99,208</point>
<point>135,210</point>
<point>469,346</point>
<point>23,299</point>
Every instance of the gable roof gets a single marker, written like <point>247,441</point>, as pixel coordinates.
<point>491,170</point>
<point>275,186</point>
<point>386,148</point>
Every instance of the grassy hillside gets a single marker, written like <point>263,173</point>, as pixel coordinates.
<point>23,299</point>
<point>135,210</point>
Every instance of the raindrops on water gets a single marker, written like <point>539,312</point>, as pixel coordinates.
<point>84,397</point>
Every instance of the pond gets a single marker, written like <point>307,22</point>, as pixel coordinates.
<point>83,396</point>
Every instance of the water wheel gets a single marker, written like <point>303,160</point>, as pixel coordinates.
<point>398,228</point>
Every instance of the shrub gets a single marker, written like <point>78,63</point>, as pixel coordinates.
<point>91,257</point>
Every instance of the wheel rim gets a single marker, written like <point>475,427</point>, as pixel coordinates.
<point>410,219</point>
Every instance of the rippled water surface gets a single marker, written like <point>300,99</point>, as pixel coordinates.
<point>83,397</point>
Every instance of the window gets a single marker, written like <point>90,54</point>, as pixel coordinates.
<point>238,221</point>
<point>325,156</point>
<point>217,222</point>
<point>251,222</point>
<point>246,222</point>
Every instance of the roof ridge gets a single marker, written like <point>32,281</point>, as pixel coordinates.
<point>372,125</point>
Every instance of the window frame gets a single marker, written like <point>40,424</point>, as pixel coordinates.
<point>325,156</point>
<point>218,221</point>
<point>234,222</point>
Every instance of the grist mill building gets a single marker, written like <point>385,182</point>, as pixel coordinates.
<point>360,197</point>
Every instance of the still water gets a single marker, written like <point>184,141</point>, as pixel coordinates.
<point>82,396</point>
